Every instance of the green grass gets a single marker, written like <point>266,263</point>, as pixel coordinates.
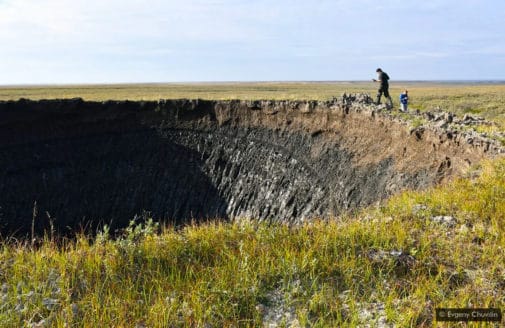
<point>224,274</point>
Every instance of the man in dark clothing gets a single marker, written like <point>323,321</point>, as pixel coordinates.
<point>383,78</point>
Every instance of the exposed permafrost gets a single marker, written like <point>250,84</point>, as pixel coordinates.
<point>84,163</point>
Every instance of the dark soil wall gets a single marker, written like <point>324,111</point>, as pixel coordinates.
<point>87,163</point>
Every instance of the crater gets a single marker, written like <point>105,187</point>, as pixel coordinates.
<point>84,164</point>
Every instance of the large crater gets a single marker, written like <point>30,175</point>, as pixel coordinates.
<point>90,163</point>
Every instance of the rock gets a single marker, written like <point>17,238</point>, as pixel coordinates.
<point>417,132</point>
<point>50,303</point>
<point>448,117</point>
<point>373,315</point>
<point>458,278</point>
<point>261,309</point>
<point>449,221</point>
<point>467,117</point>
<point>478,240</point>
<point>278,313</point>
<point>418,208</point>
<point>5,288</point>
<point>472,120</point>
<point>442,124</point>
<point>75,310</point>
<point>40,324</point>
<point>429,116</point>
<point>403,261</point>
<point>307,108</point>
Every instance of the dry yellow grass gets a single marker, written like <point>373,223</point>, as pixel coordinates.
<point>247,90</point>
<point>487,100</point>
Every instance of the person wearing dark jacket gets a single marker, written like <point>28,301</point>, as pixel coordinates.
<point>383,79</point>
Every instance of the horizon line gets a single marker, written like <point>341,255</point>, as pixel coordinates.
<point>457,81</point>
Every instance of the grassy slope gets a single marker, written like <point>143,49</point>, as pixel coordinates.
<point>234,274</point>
<point>325,272</point>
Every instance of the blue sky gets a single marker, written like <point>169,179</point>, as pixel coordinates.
<point>100,41</point>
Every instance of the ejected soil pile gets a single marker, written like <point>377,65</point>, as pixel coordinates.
<point>86,163</point>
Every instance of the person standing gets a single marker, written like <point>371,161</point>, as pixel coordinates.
<point>404,100</point>
<point>383,79</point>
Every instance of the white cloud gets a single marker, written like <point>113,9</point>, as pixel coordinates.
<point>114,20</point>
<point>236,37</point>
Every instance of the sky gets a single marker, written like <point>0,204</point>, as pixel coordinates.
<point>128,41</point>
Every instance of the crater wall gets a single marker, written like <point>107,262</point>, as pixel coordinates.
<point>89,163</point>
